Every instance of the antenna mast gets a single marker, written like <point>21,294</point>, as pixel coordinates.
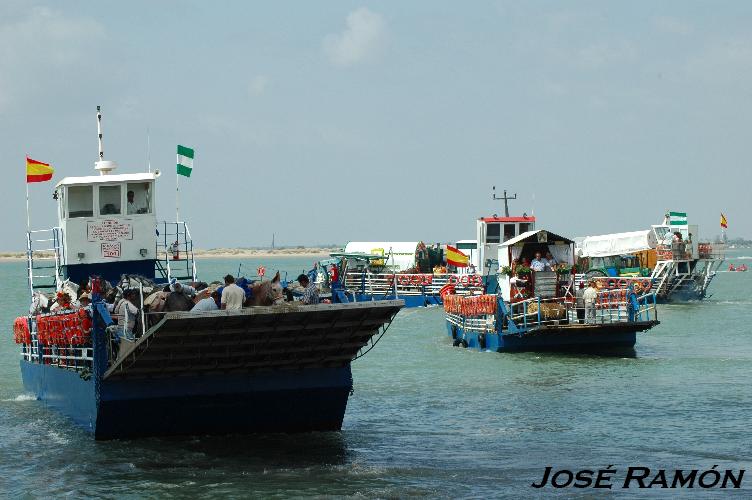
<point>505,198</point>
<point>104,166</point>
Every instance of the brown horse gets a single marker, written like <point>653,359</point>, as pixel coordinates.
<point>266,293</point>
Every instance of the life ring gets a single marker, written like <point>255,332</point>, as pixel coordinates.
<point>623,283</point>
<point>611,283</point>
<point>647,284</point>
<point>465,280</point>
<point>416,279</point>
<point>403,279</point>
<point>453,279</point>
<point>427,279</point>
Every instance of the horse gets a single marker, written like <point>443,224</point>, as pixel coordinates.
<point>266,293</point>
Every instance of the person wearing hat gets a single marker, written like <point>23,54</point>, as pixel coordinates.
<point>589,296</point>
<point>84,300</point>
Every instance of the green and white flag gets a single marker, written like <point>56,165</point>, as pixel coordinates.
<point>185,161</point>
<point>677,218</point>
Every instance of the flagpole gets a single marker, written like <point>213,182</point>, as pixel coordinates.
<point>177,195</point>
<point>28,218</point>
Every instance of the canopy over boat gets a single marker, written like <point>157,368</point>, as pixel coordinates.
<point>397,255</point>
<point>606,245</point>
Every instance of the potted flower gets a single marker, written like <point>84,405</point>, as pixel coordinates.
<point>505,271</point>
<point>523,272</point>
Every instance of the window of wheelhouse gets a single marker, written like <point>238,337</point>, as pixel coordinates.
<point>524,227</point>
<point>80,201</point>
<point>109,200</point>
<point>509,232</point>
<point>493,233</point>
<point>138,198</point>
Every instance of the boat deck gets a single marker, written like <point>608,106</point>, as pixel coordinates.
<point>284,337</point>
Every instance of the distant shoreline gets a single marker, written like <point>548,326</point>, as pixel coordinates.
<point>220,253</point>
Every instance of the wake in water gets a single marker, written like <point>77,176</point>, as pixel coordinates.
<point>21,397</point>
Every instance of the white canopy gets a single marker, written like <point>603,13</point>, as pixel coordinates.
<point>606,245</point>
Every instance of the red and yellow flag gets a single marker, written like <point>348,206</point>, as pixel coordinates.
<point>456,258</point>
<point>724,222</point>
<point>36,171</point>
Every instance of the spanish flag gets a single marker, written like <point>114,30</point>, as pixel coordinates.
<point>724,222</point>
<point>456,258</point>
<point>36,171</point>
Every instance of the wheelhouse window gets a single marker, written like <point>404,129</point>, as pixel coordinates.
<point>138,198</point>
<point>524,227</point>
<point>509,231</point>
<point>493,233</point>
<point>80,201</point>
<point>109,200</point>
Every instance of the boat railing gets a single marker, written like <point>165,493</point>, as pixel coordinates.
<point>411,284</point>
<point>175,257</point>
<point>610,306</point>
<point>711,251</point>
<point>44,245</point>
<point>76,354</point>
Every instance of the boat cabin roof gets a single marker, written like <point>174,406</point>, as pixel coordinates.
<point>357,255</point>
<point>523,218</point>
<point>105,179</point>
<point>537,236</point>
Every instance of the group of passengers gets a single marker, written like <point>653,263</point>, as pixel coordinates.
<point>538,264</point>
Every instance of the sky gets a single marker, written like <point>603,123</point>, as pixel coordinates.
<point>336,121</point>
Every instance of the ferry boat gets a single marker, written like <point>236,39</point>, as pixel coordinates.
<point>260,369</point>
<point>540,311</point>
<point>668,258</point>
<point>408,271</point>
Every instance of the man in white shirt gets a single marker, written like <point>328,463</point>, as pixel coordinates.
<point>126,315</point>
<point>207,301</point>
<point>232,295</point>
<point>589,296</point>
<point>539,263</point>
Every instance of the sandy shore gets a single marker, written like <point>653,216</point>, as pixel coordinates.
<point>220,253</point>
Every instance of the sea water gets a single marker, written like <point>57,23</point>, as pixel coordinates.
<point>426,419</point>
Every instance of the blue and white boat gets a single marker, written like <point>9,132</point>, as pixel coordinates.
<point>408,271</point>
<point>540,311</point>
<point>278,368</point>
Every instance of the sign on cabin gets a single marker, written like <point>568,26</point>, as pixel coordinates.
<point>109,230</point>
<point>111,250</point>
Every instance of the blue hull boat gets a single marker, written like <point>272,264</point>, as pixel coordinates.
<point>265,369</point>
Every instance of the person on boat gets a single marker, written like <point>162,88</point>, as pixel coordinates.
<point>310,292</point>
<point>579,297</point>
<point>539,263</point>
<point>232,295</point>
<point>84,301</point>
<point>178,287</point>
<point>133,207</point>
<point>206,300</point>
<point>125,313</point>
<point>589,297</point>
<point>551,263</point>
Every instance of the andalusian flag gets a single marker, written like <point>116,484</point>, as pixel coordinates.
<point>36,171</point>
<point>185,161</point>
<point>456,258</point>
<point>724,222</point>
<point>677,219</point>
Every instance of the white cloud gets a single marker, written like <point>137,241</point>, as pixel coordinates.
<point>257,85</point>
<point>363,37</point>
